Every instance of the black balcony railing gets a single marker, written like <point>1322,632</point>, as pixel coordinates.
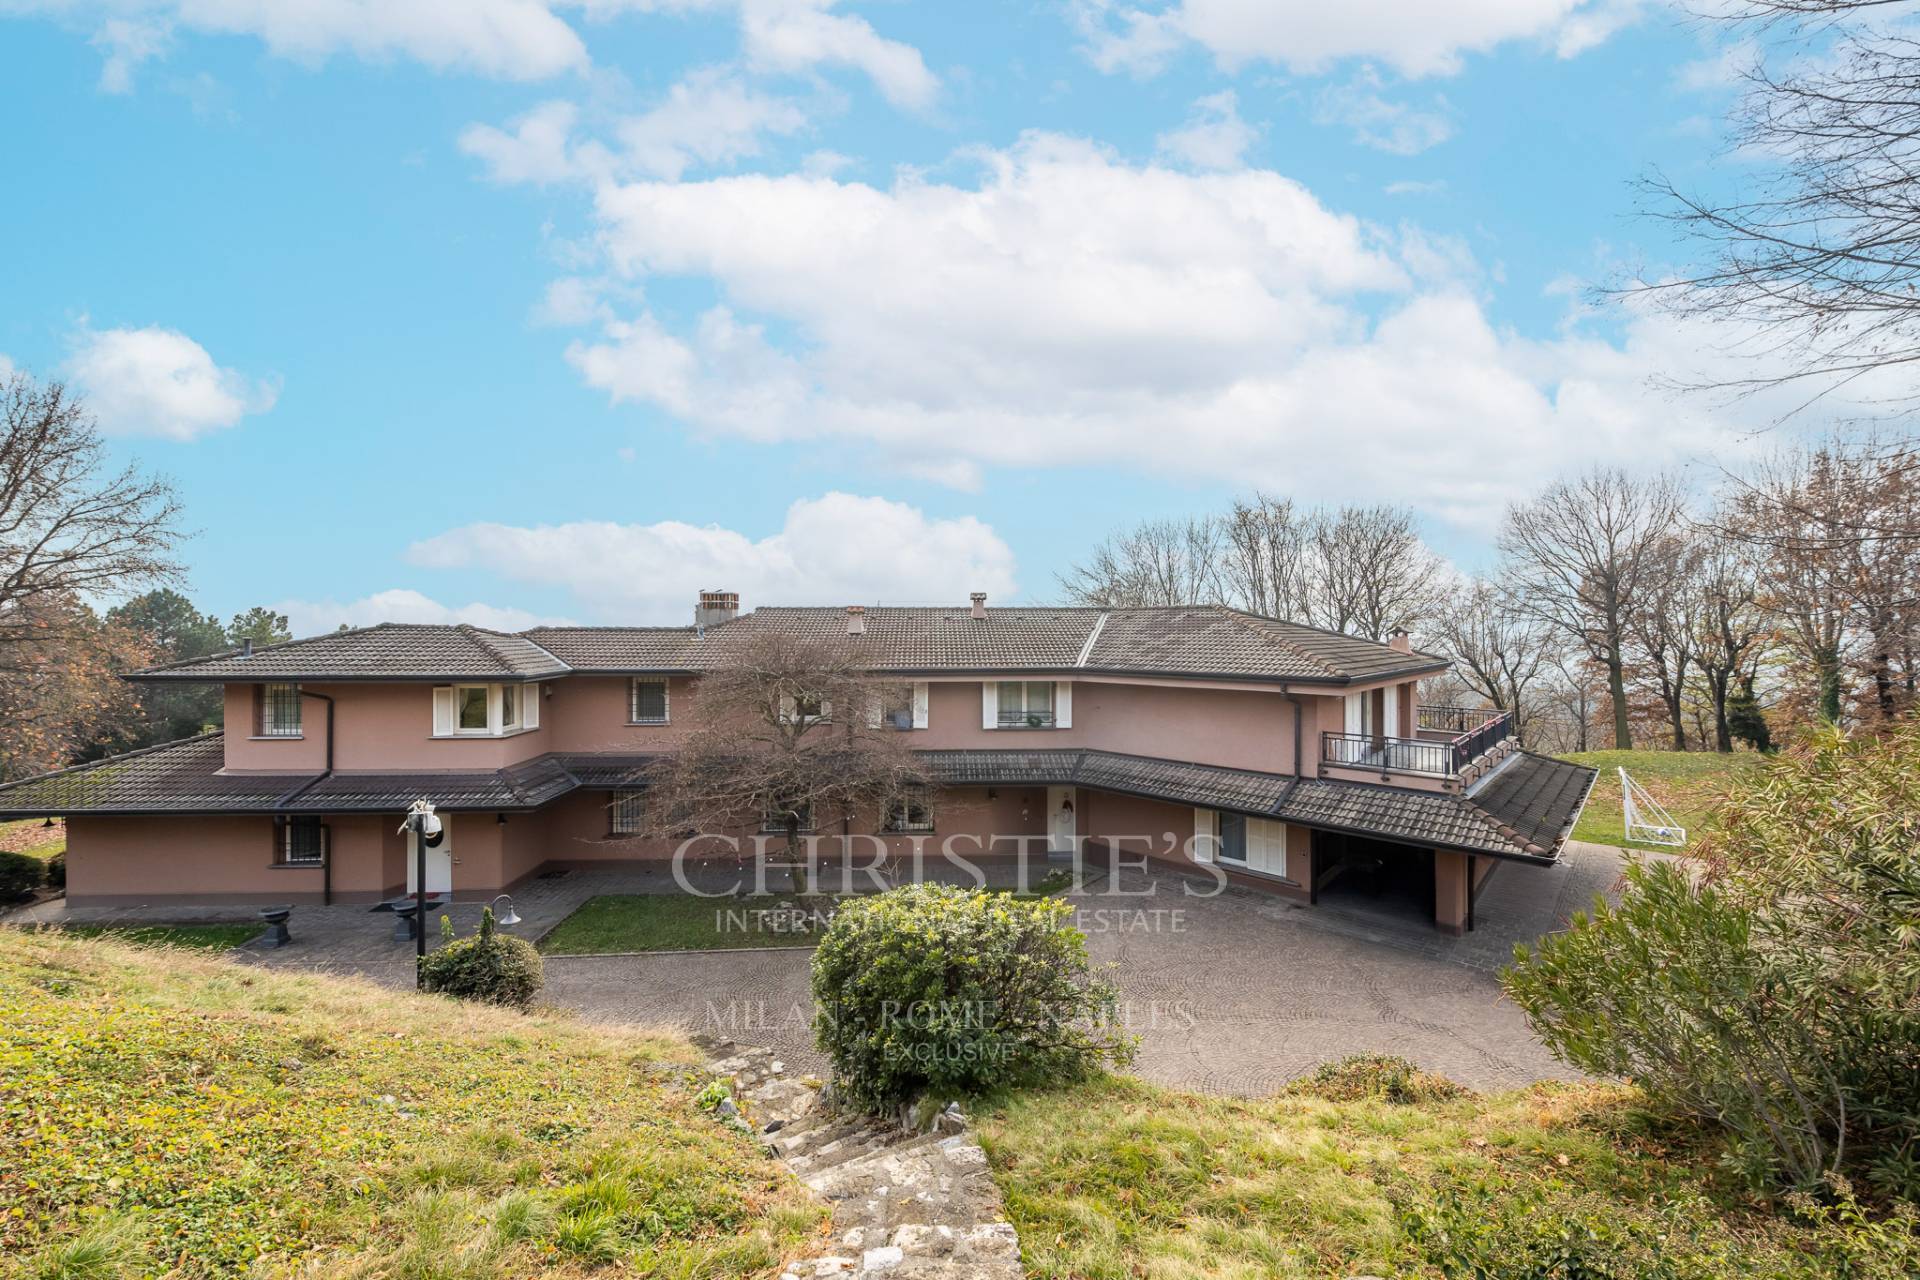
<point>1459,736</point>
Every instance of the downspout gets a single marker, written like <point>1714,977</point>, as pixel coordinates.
<point>1299,714</point>
<point>326,864</point>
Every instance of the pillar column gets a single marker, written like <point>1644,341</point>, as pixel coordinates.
<point>1451,890</point>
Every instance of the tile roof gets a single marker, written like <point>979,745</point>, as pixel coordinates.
<point>1196,640</point>
<point>389,651</point>
<point>1524,810</point>
<point>181,776</point>
<point>619,648</point>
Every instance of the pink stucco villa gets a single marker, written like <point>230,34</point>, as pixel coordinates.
<point>1294,760</point>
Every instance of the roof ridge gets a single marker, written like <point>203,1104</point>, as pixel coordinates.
<point>1245,622</point>
<point>1093,638</point>
<point>115,759</point>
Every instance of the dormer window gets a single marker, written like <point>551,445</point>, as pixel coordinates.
<point>484,710</point>
<point>277,711</point>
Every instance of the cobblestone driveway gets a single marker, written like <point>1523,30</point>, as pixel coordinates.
<point>1237,993</point>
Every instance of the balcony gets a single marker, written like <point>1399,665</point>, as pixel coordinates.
<point>1450,741</point>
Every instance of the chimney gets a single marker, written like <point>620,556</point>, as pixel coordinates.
<point>246,647</point>
<point>979,599</point>
<point>856,619</point>
<point>716,607</point>
<point>1400,642</point>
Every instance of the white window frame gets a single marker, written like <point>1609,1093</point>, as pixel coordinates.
<point>268,727</point>
<point>526,709</point>
<point>633,701</point>
<point>994,715</point>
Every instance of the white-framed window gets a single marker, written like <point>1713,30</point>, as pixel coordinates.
<point>626,813</point>
<point>805,706</point>
<point>303,842</point>
<point>1258,844</point>
<point>647,701</point>
<point>484,710</point>
<point>911,813</point>
<point>471,710</point>
<point>1026,704</point>
<point>279,711</point>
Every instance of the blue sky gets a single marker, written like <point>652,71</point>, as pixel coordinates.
<point>503,310</point>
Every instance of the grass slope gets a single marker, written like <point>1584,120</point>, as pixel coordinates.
<point>1119,1179</point>
<point>163,1111</point>
<point>34,838</point>
<point>1688,783</point>
<point>193,937</point>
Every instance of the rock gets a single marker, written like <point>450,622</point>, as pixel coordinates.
<point>834,1266</point>
<point>774,1126</point>
<point>920,1239</point>
<point>292,1064</point>
<point>777,1067</point>
<point>884,1258</point>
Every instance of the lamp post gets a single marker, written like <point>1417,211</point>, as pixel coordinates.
<point>422,822</point>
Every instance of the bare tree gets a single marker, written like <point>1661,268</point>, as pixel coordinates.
<point>1820,254</point>
<point>1732,631</point>
<point>1582,556</point>
<point>1158,562</point>
<point>1373,574</point>
<point>786,734</point>
<point>1499,650</point>
<point>1268,566</point>
<point>1664,629</point>
<point>70,526</point>
<point>1361,569</point>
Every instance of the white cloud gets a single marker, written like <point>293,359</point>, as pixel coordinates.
<point>710,118</point>
<point>1415,37</point>
<point>1379,122</point>
<point>1068,308</point>
<point>1214,136</point>
<point>835,549</point>
<point>512,39</point>
<point>1411,187</point>
<point>802,35</point>
<point>160,382</point>
<point>312,617</point>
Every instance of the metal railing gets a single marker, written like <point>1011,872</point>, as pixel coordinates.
<point>1026,719</point>
<point>1471,731</point>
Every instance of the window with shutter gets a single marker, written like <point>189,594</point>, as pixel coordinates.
<point>1026,704</point>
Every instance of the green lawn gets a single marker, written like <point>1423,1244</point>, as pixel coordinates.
<point>682,922</point>
<point>676,922</point>
<point>194,937</point>
<point>164,1113</point>
<point>33,837</point>
<point>1686,782</point>
<point>1119,1179</point>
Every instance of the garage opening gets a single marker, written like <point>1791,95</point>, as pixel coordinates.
<point>1373,877</point>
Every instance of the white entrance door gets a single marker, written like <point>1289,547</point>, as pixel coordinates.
<point>1060,820</point>
<point>439,860</point>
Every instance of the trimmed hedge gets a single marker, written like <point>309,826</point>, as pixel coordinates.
<point>935,989</point>
<point>489,967</point>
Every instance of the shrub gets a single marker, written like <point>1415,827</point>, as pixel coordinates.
<point>1779,999</point>
<point>933,988</point>
<point>1375,1077</point>
<point>20,875</point>
<point>57,871</point>
<point>489,966</point>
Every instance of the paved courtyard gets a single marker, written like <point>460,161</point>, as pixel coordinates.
<point>1230,992</point>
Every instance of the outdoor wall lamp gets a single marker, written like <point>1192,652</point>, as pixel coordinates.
<point>508,918</point>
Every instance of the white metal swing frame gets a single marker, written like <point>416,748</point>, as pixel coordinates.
<point>1638,807</point>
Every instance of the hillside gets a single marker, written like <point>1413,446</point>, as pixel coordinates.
<point>1119,1179</point>
<point>1688,783</point>
<point>162,1109</point>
